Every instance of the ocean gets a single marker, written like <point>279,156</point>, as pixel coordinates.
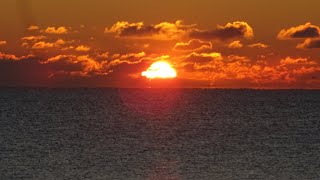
<point>159,134</point>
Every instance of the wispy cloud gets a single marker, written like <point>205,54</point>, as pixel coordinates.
<point>235,45</point>
<point>193,45</point>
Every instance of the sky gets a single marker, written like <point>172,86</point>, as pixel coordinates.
<point>217,44</point>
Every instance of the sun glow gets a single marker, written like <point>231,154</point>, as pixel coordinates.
<point>160,70</point>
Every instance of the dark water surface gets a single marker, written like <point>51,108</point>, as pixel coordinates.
<point>159,134</point>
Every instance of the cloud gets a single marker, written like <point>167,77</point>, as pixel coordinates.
<point>4,56</point>
<point>68,48</point>
<point>193,58</point>
<point>193,45</point>
<point>309,44</point>
<point>236,58</point>
<point>228,68</point>
<point>130,58</point>
<point>103,56</point>
<point>235,45</point>
<point>232,71</point>
<point>58,58</point>
<point>296,61</point>
<point>2,43</point>
<point>89,63</point>
<point>177,30</point>
<point>258,45</point>
<point>233,30</point>
<point>65,70</point>
<point>56,30</point>
<point>42,45</point>
<point>13,57</point>
<point>82,48</point>
<point>71,70</point>
<point>297,70</point>
<point>87,66</point>
<point>303,31</point>
<point>79,65</point>
<point>45,45</point>
<point>239,71</point>
<point>133,55</point>
<point>118,62</point>
<point>30,41</point>
<point>33,28</point>
<point>33,38</point>
<point>131,65</point>
<point>161,31</point>
<point>202,57</point>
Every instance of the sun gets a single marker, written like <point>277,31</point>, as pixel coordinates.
<point>160,70</point>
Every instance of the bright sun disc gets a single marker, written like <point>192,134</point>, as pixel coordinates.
<point>161,70</point>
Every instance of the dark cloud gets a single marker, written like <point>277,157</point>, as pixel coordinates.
<point>309,44</point>
<point>22,71</point>
<point>161,31</point>
<point>70,70</point>
<point>12,57</point>
<point>229,31</point>
<point>177,30</point>
<point>303,31</point>
<point>66,63</point>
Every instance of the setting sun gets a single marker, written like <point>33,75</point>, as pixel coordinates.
<point>161,70</point>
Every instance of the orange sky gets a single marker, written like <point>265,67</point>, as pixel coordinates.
<point>219,44</point>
